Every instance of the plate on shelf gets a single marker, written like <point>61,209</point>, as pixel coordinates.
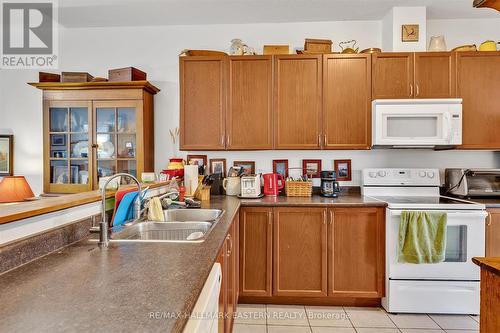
<point>242,197</point>
<point>81,149</point>
<point>105,150</point>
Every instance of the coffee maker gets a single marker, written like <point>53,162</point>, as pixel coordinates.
<point>329,184</point>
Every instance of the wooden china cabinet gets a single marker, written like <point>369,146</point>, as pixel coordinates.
<point>93,130</point>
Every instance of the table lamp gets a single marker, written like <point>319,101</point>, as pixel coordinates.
<point>495,4</point>
<point>14,189</point>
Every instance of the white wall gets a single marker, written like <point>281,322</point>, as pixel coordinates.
<point>461,32</point>
<point>392,25</point>
<point>155,50</point>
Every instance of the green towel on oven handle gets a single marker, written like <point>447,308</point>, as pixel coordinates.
<point>422,237</point>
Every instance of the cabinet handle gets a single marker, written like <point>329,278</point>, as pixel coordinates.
<point>488,219</point>
<point>418,90</point>
<point>269,218</point>
<point>228,141</point>
<point>319,140</point>
<point>411,90</point>
<point>332,217</point>
<point>222,140</point>
<point>324,140</point>
<point>230,240</point>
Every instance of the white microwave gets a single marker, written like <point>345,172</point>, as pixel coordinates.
<point>416,123</point>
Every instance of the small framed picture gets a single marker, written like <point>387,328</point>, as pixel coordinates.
<point>311,168</point>
<point>218,166</point>
<point>281,167</point>
<point>6,155</point>
<point>199,160</point>
<point>248,166</point>
<point>343,170</point>
<point>409,32</point>
<point>58,140</point>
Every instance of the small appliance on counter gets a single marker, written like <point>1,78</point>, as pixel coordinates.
<point>250,186</point>
<point>329,184</point>
<point>273,183</point>
<point>473,182</point>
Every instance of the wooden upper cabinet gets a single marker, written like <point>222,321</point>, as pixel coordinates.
<point>202,102</point>
<point>493,233</point>
<point>356,260</point>
<point>347,101</point>
<point>435,75</point>
<point>478,84</point>
<point>249,117</point>
<point>255,251</point>
<point>392,75</point>
<point>300,252</point>
<point>297,101</point>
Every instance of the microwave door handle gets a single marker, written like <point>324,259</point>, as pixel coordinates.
<point>447,127</point>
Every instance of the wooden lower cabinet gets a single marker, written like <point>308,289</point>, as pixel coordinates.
<point>228,299</point>
<point>356,252</point>
<point>317,256</point>
<point>300,252</point>
<point>493,233</point>
<point>256,242</point>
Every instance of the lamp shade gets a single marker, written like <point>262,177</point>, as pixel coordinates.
<point>14,188</point>
<point>495,4</point>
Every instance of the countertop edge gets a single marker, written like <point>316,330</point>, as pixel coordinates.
<point>485,263</point>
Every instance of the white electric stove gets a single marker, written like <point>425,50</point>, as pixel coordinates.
<point>448,287</point>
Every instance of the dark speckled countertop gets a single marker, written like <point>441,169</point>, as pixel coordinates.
<point>82,288</point>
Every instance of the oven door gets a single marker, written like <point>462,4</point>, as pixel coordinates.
<point>465,239</point>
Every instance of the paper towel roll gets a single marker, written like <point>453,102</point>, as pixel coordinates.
<point>190,179</point>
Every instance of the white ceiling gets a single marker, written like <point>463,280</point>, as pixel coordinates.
<point>103,13</point>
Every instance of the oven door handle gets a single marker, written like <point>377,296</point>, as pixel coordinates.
<point>481,213</point>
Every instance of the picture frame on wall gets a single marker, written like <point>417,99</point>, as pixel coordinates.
<point>409,32</point>
<point>6,155</point>
<point>248,166</point>
<point>343,170</point>
<point>281,167</point>
<point>311,168</point>
<point>218,166</point>
<point>199,160</point>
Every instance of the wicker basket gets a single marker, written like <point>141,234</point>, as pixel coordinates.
<point>298,188</point>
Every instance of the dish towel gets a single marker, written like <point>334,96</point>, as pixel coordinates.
<point>155,210</point>
<point>422,237</point>
<point>125,210</point>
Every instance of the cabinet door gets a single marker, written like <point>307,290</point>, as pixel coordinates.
<point>231,277</point>
<point>347,101</point>
<point>249,117</point>
<point>300,252</point>
<point>119,136</point>
<point>392,75</point>
<point>493,233</point>
<point>202,102</point>
<point>478,85</point>
<point>68,155</point>
<point>222,260</point>
<point>255,248</point>
<point>435,75</point>
<point>297,98</point>
<point>356,252</point>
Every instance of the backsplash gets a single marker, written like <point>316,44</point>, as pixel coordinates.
<point>361,159</point>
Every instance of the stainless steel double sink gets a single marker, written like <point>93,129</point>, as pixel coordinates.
<point>181,225</point>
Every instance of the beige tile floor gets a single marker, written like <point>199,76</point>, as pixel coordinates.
<point>256,318</point>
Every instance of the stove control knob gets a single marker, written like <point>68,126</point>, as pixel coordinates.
<point>382,173</point>
<point>422,174</point>
<point>372,174</point>
<point>430,174</point>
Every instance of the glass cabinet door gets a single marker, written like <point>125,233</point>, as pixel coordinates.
<point>116,138</point>
<point>69,155</point>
